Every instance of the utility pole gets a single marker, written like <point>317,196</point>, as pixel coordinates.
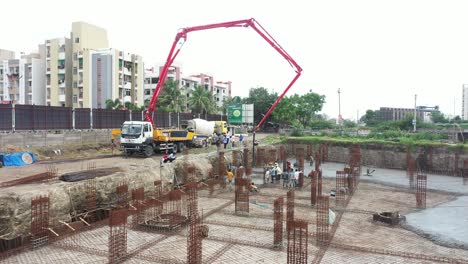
<point>339,108</point>
<point>414,119</point>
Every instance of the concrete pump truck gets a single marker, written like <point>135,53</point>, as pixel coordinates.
<point>144,137</point>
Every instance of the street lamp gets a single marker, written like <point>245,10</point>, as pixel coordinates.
<point>339,107</point>
<point>414,119</point>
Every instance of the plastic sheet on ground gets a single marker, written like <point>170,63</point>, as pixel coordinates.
<point>17,159</point>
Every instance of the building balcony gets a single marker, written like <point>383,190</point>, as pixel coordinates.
<point>61,84</point>
<point>128,85</point>
<point>61,98</point>
<point>80,54</point>
<point>61,55</point>
<point>61,71</point>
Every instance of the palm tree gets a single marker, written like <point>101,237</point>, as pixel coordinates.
<point>172,99</point>
<point>201,101</point>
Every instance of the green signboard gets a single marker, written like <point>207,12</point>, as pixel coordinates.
<point>235,113</point>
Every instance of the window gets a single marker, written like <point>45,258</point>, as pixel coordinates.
<point>127,92</point>
<point>75,99</point>
<point>75,71</point>
<point>77,40</point>
<point>75,84</point>
<point>147,92</point>
<point>75,56</point>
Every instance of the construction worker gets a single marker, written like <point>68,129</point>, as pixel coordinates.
<point>230,177</point>
<point>253,188</point>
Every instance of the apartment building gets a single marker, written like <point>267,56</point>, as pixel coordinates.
<point>32,82</point>
<point>84,37</point>
<point>58,74</point>
<point>221,92</point>
<point>111,74</point>
<point>9,81</point>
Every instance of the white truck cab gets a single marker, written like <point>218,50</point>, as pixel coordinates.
<point>137,136</point>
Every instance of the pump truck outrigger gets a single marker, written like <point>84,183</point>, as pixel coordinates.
<point>144,137</point>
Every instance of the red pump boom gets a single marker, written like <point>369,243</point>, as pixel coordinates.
<point>182,35</point>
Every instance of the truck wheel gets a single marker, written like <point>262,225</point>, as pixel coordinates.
<point>181,147</point>
<point>148,151</point>
<point>175,148</point>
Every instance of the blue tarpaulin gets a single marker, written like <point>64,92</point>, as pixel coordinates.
<point>17,159</point>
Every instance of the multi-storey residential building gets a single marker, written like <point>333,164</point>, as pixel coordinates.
<point>222,91</point>
<point>465,102</point>
<point>111,74</point>
<point>32,82</point>
<point>58,61</point>
<point>6,55</point>
<point>151,80</point>
<point>9,81</point>
<point>84,36</point>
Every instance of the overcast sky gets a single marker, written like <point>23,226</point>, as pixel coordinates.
<point>380,53</point>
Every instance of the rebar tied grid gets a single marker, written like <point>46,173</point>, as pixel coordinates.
<point>247,165</point>
<point>421,188</point>
<point>122,195</point>
<point>138,198</point>
<point>300,158</point>
<point>90,186</point>
<point>222,170</point>
<point>313,187</point>
<point>260,157</point>
<point>278,222</point>
<point>271,156</point>
<point>118,235</point>
<point>322,210</point>
<point>289,208</point>
<point>40,221</point>
<point>340,193</point>
<point>298,242</point>
<point>194,236</point>
<point>242,196</point>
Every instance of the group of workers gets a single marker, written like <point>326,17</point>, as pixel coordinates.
<point>230,178</point>
<point>290,176</point>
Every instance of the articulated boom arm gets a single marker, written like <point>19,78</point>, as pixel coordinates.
<point>182,36</point>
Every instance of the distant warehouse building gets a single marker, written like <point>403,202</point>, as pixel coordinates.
<point>395,114</point>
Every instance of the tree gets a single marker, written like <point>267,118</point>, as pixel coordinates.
<point>438,117</point>
<point>114,105</point>
<point>171,99</point>
<point>371,118</point>
<point>285,112</point>
<point>202,101</point>
<point>262,101</point>
<point>307,105</point>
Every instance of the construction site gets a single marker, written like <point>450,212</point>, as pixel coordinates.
<point>343,209</point>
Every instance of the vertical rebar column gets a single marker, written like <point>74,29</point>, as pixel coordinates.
<point>91,166</point>
<point>247,165</point>
<point>122,195</point>
<point>411,172</point>
<point>318,160</point>
<point>340,188</point>
<point>90,186</point>
<point>297,242</point>
<point>52,172</point>
<point>242,196</point>
<point>39,221</point>
<point>271,156</point>
<point>222,170</point>
<point>313,188</point>
<point>278,222</point>
<point>465,171</point>
<point>118,235</point>
<point>319,182</point>
<point>289,208</point>
<point>239,172</point>
<point>260,158</point>
<point>283,157</point>
<point>158,189</point>
<point>235,158</point>
<point>323,205</point>
<point>455,165</point>
<point>421,187</point>
<point>138,196</point>
<point>300,158</point>
<point>300,182</point>
<point>194,241</point>
<point>309,151</point>
<point>173,208</point>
